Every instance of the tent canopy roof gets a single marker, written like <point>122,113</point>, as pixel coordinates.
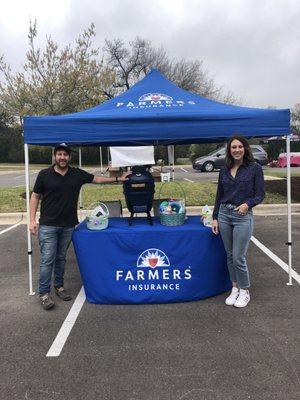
<point>155,111</point>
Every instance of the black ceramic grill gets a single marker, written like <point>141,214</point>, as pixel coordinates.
<point>139,192</point>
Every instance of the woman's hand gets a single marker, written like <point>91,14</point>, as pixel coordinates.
<point>215,226</point>
<point>242,209</point>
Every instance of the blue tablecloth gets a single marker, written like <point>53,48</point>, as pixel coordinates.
<point>150,264</point>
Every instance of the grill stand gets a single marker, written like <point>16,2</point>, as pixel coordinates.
<point>130,220</point>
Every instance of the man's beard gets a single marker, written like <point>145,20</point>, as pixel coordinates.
<point>62,164</point>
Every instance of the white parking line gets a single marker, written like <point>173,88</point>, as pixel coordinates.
<point>278,260</point>
<point>189,180</point>
<point>184,170</point>
<point>67,326</point>
<point>10,228</point>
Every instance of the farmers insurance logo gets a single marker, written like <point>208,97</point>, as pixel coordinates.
<point>153,272</point>
<point>155,100</point>
<point>155,97</point>
<point>153,258</point>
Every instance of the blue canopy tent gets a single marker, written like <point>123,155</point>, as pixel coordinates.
<point>154,111</point>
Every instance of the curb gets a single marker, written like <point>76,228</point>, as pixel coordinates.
<point>264,209</point>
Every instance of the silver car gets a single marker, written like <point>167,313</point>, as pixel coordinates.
<point>216,159</point>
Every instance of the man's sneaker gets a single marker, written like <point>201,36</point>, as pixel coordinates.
<point>232,297</point>
<point>243,299</point>
<point>62,293</point>
<point>46,301</point>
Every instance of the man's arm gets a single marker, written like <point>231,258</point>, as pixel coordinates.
<point>34,203</point>
<point>104,179</point>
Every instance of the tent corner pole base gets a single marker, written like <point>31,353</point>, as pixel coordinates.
<point>31,292</point>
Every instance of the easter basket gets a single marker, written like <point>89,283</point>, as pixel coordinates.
<point>172,211</point>
<point>98,217</point>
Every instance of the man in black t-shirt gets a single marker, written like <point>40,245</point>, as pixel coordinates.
<point>58,189</point>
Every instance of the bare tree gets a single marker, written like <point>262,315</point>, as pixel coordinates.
<point>128,64</point>
<point>295,118</point>
<point>133,61</point>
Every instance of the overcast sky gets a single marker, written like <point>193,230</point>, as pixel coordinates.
<point>250,47</point>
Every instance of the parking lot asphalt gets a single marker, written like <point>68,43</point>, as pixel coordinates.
<point>16,178</point>
<point>184,351</point>
<point>12,178</point>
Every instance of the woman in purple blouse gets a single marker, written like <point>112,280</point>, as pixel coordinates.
<point>240,188</point>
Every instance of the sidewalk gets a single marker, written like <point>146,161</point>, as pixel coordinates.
<point>263,209</point>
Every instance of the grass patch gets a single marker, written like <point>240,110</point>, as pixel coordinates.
<point>275,198</point>
<point>280,174</point>
<point>197,194</point>
<point>11,200</point>
<point>21,167</point>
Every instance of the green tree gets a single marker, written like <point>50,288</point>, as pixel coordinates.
<point>52,81</point>
<point>55,81</point>
<point>11,144</point>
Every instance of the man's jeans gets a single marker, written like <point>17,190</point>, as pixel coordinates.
<point>54,242</point>
<point>236,231</point>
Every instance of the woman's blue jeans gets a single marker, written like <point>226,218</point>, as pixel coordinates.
<point>54,242</point>
<point>236,231</point>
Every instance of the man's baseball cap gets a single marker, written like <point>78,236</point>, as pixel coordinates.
<point>62,146</point>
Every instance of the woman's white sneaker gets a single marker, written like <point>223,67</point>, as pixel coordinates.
<point>243,299</point>
<point>231,299</point>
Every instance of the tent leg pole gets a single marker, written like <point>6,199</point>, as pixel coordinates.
<point>101,161</point>
<point>29,246</point>
<point>80,165</point>
<point>173,158</point>
<point>288,176</point>
<point>169,161</point>
<point>108,158</point>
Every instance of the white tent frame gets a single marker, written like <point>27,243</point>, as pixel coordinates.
<point>29,244</point>
<point>289,212</point>
<point>289,206</point>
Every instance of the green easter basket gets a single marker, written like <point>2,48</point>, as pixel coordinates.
<point>175,219</point>
<point>172,219</point>
<point>97,222</point>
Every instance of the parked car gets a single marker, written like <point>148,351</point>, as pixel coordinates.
<point>216,159</point>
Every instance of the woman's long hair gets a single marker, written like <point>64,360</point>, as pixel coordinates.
<point>248,156</point>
